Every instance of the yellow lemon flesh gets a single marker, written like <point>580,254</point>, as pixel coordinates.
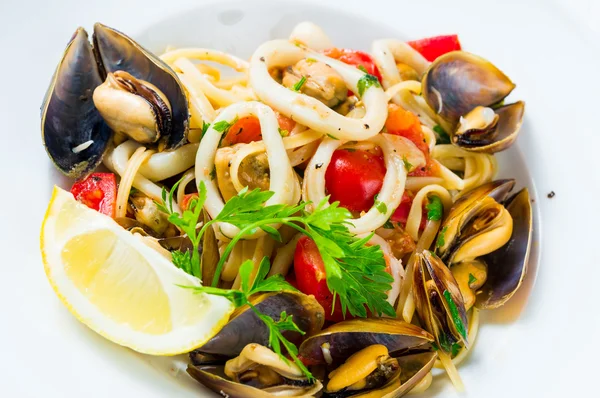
<point>122,288</point>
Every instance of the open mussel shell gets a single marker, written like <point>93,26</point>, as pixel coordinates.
<point>438,301</point>
<point>118,52</point>
<point>245,327</point>
<point>213,377</point>
<point>477,223</point>
<point>457,82</point>
<point>74,134</point>
<point>347,337</point>
<point>498,136</point>
<point>507,266</point>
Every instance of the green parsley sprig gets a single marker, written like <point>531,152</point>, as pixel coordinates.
<point>435,208</point>
<point>355,272</point>
<point>261,284</point>
<point>365,82</point>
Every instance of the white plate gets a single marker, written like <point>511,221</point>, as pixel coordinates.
<point>543,346</point>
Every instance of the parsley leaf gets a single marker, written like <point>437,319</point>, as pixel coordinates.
<point>299,83</point>
<point>282,132</point>
<point>407,165</point>
<point>472,279</point>
<point>380,206</point>
<point>441,241</point>
<point>223,126</point>
<point>205,127</point>
<point>460,326</point>
<point>241,297</point>
<point>365,82</point>
<point>388,225</point>
<point>333,137</point>
<point>442,136</point>
<point>362,68</point>
<point>434,208</point>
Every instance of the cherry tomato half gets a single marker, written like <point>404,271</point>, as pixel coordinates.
<point>311,278</point>
<point>354,178</point>
<point>98,192</point>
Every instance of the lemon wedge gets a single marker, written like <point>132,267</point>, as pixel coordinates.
<point>121,288</point>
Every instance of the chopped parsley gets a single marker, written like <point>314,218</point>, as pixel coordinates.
<point>205,127</point>
<point>362,68</point>
<point>441,239</point>
<point>365,82</point>
<point>472,279</point>
<point>282,132</point>
<point>333,137</point>
<point>460,326</point>
<point>407,165</point>
<point>388,224</point>
<point>299,83</point>
<point>381,207</point>
<point>442,136</point>
<point>434,208</point>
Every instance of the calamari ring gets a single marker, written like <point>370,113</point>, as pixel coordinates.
<point>308,110</point>
<point>313,188</point>
<point>387,52</point>
<point>282,181</point>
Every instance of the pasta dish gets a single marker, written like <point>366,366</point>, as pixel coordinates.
<point>313,221</point>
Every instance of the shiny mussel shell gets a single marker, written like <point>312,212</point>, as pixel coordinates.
<point>496,137</point>
<point>477,223</point>
<point>458,81</point>
<point>213,377</point>
<point>438,301</point>
<point>347,337</point>
<point>507,266</point>
<point>245,327</point>
<point>74,134</point>
<point>118,52</point>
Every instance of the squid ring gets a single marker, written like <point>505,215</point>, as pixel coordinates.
<point>283,180</point>
<point>308,110</point>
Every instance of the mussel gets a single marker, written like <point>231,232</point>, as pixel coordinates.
<point>439,302</point>
<point>256,372</point>
<point>142,98</point>
<point>485,240</point>
<point>464,89</point>
<point>244,327</point>
<point>375,357</point>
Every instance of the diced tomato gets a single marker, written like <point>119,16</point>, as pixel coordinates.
<point>433,47</point>
<point>98,192</point>
<point>185,202</point>
<point>285,123</point>
<point>311,278</point>
<point>244,131</point>
<point>354,178</point>
<point>247,129</point>
<point>401,213</point>
<point>354,57</point>
<point>406,124</point>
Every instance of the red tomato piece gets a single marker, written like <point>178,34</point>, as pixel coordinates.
<point>354,57</point>
<point>98,192</point>
<point>433,47</point>
<point>244,131</point>
<point>185,202</point>
<point>401,213</point>
<point>311,278</point>
<point>406,124</point>
<point>285,123</point>
<point>354,178</point>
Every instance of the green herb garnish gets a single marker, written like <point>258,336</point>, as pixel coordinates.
<point>299,83</point>
<point>310,60</point>
<point>442,136</point>
<point>472,279</point>
<point>441,240</point>
<point>282,132</point>
<point>213,173</point>
<point>435,209</point>
<point>205,127</point>
<point>261,284</point>
<point>380,206</point>
<point>362,68</point>
<point>460,326</point>
<point>455,349</point>
<point>365,82</point>
<point>407,165</point>
<point>187,221</point>
<point>388,224</point>
<point>333,137</point>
